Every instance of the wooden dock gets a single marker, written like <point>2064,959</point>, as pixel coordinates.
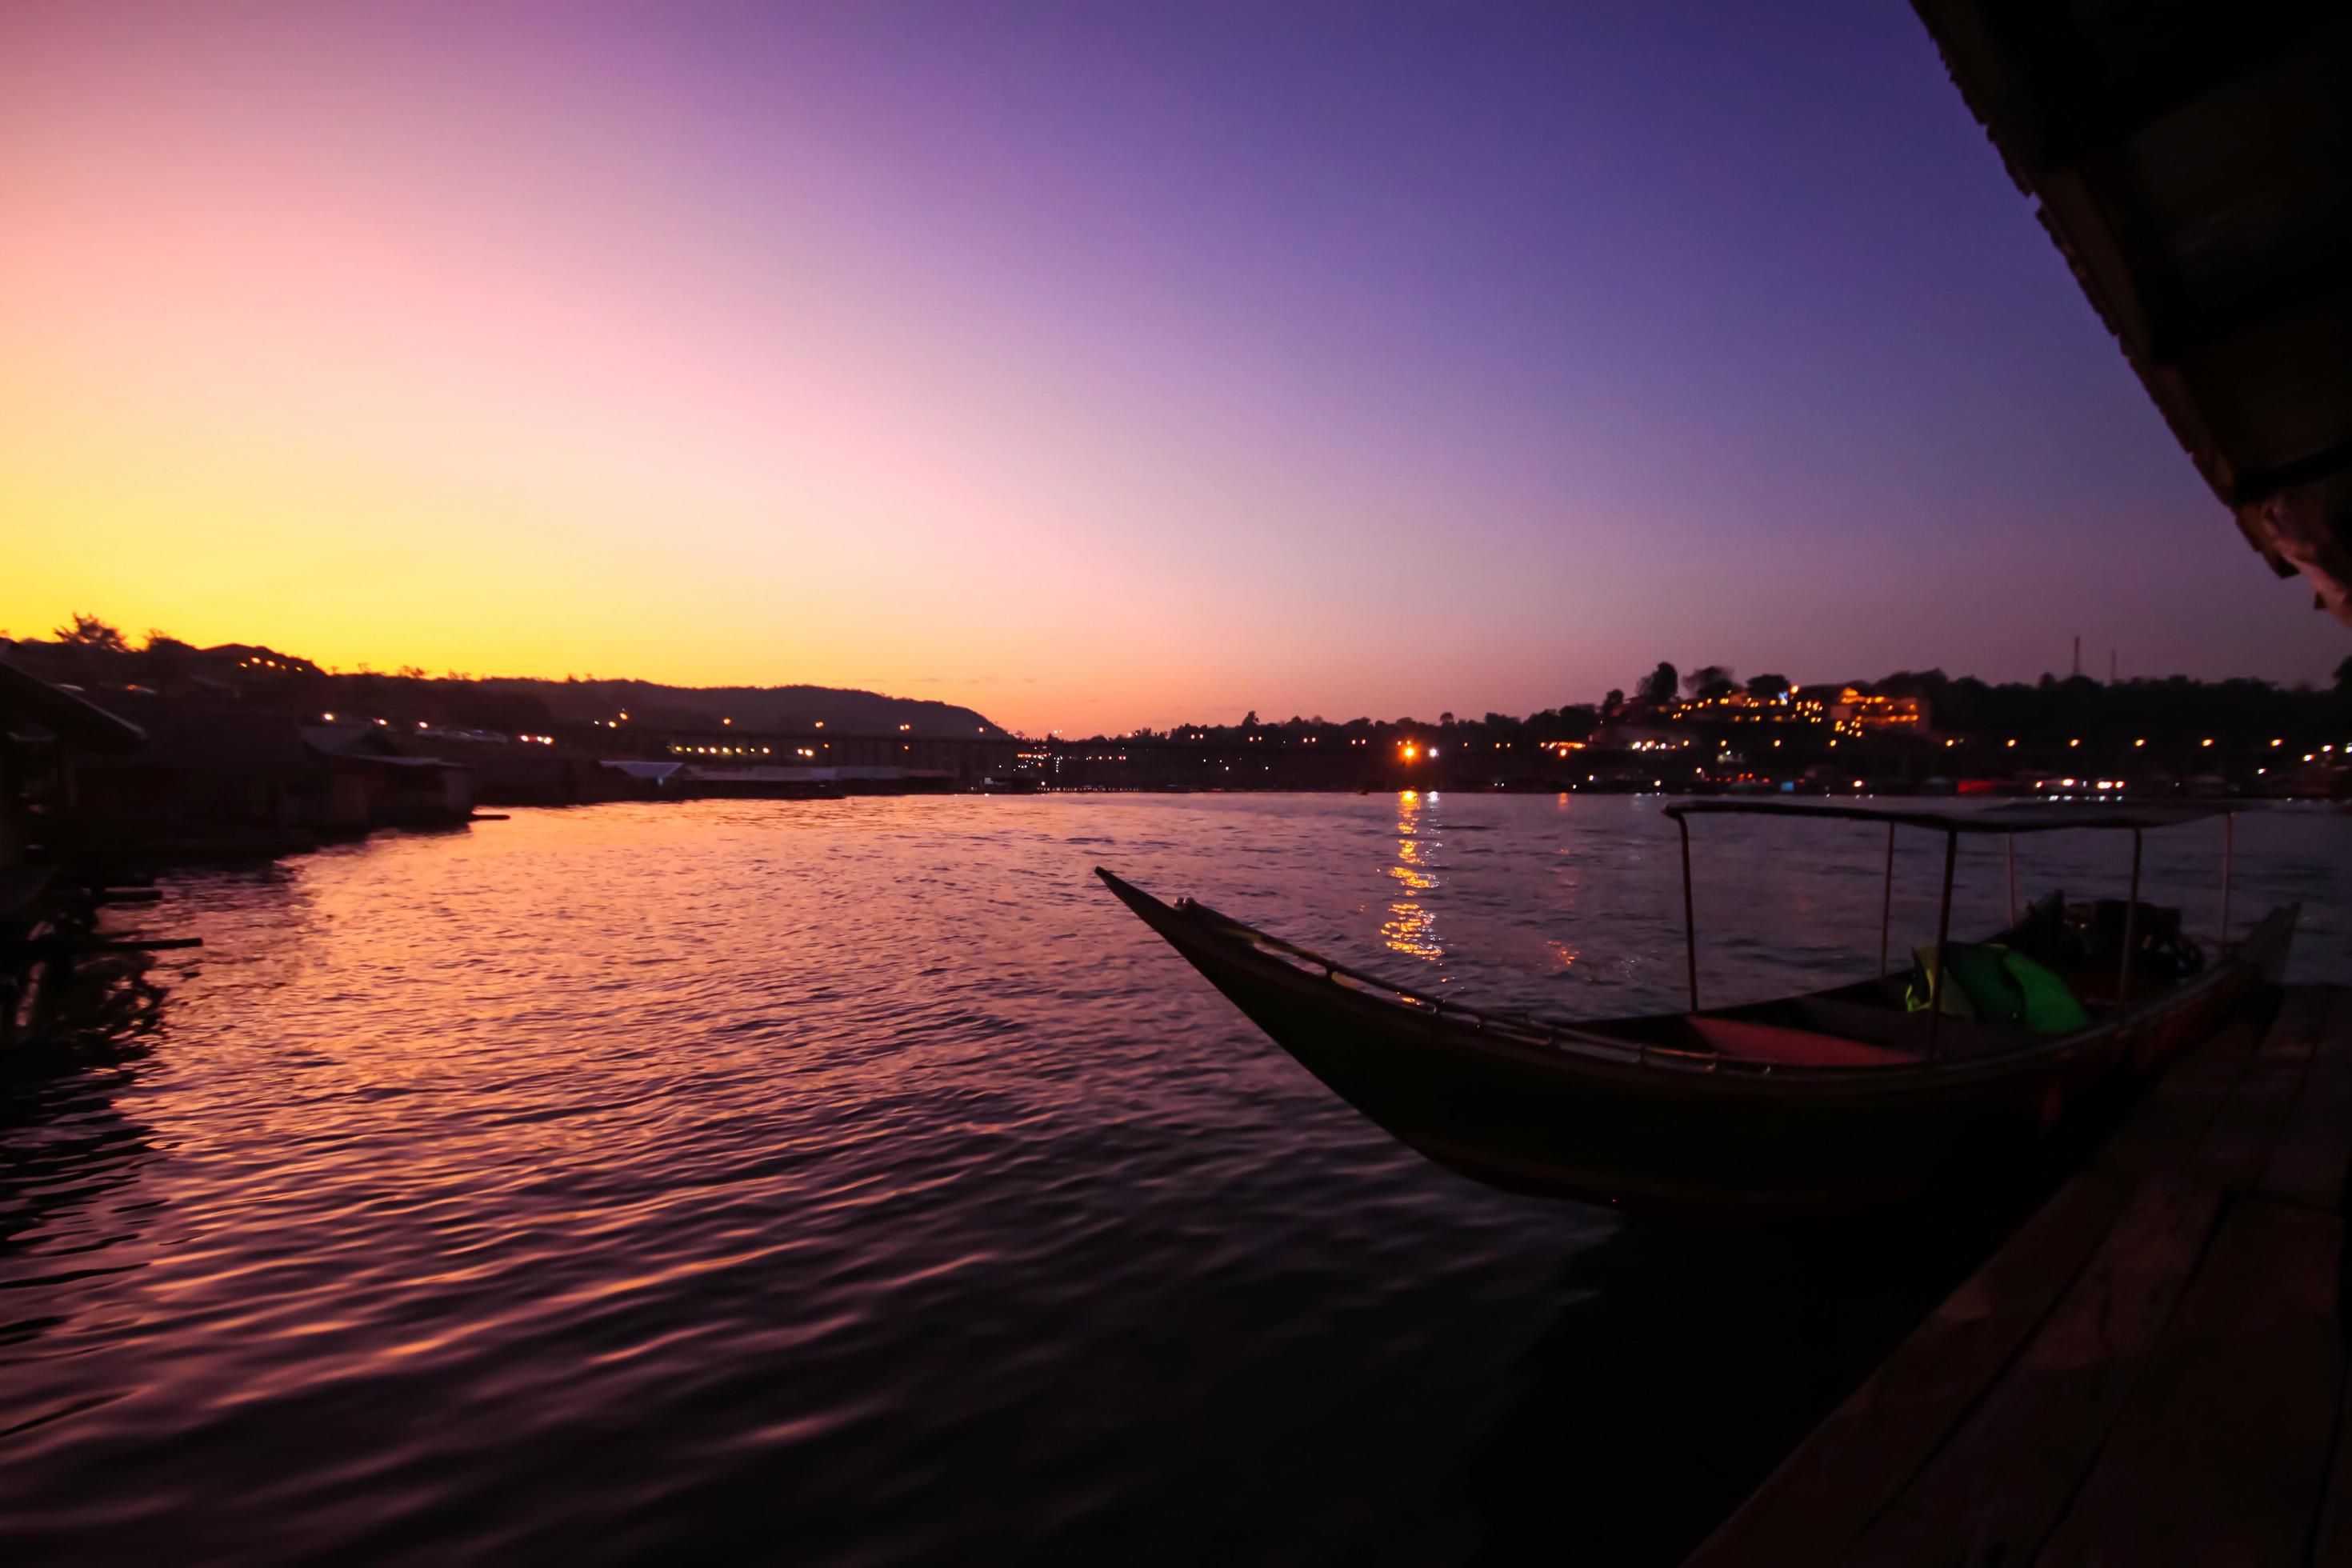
<point>2152,1370</point>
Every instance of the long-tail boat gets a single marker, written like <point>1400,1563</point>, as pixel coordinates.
<point>1864,1096</point>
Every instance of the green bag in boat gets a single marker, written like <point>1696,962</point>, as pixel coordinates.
<point>1994,985</point>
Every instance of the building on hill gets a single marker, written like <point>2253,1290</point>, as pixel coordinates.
<point>1793,706</point>
<point>1859,709</point>
<point>256,660</point>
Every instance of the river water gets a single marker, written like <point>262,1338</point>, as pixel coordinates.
<point>856,1182</point>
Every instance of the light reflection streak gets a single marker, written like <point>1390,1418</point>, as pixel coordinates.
<point>1411,928</point>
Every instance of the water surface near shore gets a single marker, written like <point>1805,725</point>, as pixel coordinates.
<point>856,1182</point>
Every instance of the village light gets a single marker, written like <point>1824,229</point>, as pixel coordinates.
<point>2278,742</point>
<point>2012,742</point>
<point>2206,742</point>
<point>2140,742</point>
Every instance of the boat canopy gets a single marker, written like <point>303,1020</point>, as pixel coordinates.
<point>2009,817</point>
<point>2005,821</point>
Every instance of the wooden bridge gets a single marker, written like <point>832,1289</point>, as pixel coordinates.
<point>2152,1370</point>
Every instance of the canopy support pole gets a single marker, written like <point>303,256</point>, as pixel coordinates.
<point>2131,912</point>
<point>1936,991</point>
<point>1690,922</point>
<point>2228,843</point>
<point>1886,905</point>
<point>2009,842</point>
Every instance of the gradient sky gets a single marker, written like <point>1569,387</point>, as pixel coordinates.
<point>1095,364</point>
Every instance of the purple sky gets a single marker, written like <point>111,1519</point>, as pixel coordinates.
<point>1097,364</point>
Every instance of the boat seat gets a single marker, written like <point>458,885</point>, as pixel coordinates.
<point>1907,1032</point>
<point>1794,1048</point>
<point>1871,1013</point>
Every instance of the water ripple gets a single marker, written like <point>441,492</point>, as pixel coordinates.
<point>856,1182</point>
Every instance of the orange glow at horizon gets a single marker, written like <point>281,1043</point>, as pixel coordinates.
<point>515,391</point>
<point>545,381</point>
<point>723,345</point>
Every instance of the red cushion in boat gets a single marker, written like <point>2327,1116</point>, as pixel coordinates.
<point>1798,1048</point>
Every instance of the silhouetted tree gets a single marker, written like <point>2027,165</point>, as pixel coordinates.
<point>1767,687</point>
<point>1658,686</point>
<point>1612,704</point>
<point>164,660</point>
<point>90,632</point>
<point>1709,680</point>
<point>1573,722</point>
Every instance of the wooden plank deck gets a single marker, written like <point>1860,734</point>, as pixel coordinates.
<point>2152,1370</point>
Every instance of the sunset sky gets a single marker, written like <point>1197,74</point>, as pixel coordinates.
<point>1093,364</point>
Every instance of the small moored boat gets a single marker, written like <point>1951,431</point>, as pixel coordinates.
<point>1863,1096</point>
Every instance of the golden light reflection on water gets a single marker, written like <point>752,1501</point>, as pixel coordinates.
<point>1410,927</point>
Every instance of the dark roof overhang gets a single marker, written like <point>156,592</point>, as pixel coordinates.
<point>27,697</point>
<point>2192,158</point>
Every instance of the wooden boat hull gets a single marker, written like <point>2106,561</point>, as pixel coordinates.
<point>1505,1106</point>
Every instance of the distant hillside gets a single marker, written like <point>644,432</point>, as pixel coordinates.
<point>93,656</point>
<point>751,707</point>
